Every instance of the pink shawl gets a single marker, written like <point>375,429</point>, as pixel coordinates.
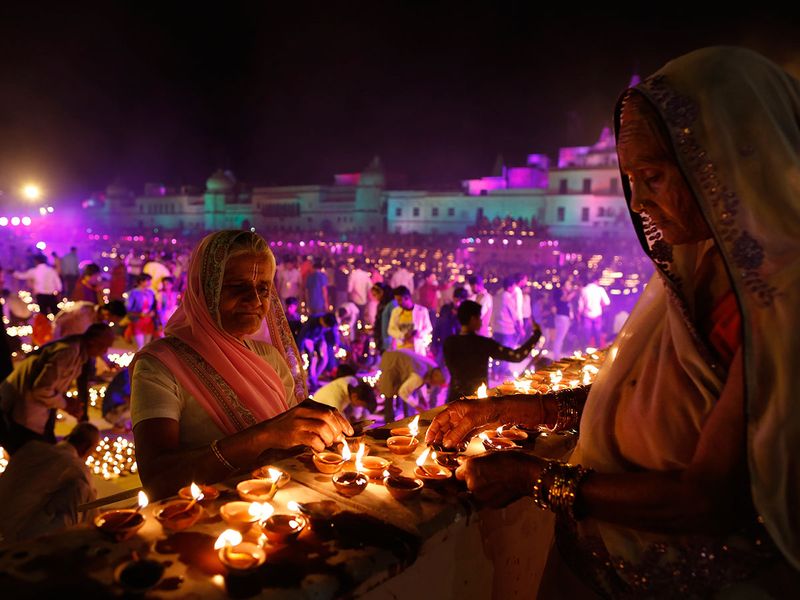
<point>231,382</point>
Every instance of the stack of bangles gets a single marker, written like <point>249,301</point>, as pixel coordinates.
<point>561,494</point>
<point>570,403</point>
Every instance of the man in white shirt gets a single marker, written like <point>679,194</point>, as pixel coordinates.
<point>45,284</point>
<point>592,301</point>
<point>410,324</point>
<point>482,296</point>
<point>348,395</point>
<point>403,277</point>
<point>506,319</point>
<point>44,484</point>
<point>359,283</point>
<point>288,279</point>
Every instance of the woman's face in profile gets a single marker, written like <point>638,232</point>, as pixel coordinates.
<point>658,188</point>
<point>245,292</point>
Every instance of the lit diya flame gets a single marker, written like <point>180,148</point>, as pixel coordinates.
<point>346,454</point>
<point>484,438</point>
<point>293,506</point>
<point>260,511</point>
<point>274,475</point>
<point>143,501</point>
<point>499,431</point>
<point>413,426</point>
<point>523,387</point>
<point>421,460</point>
<point>359,456</point>
<point>229,537</point>
<point>482,392</point>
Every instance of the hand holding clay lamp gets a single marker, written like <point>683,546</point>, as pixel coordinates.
<point>123,523</point>
<point>236,554</point>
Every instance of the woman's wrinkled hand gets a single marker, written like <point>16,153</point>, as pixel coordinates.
<point>459,420</point>
<point>310,424</point>
<point>497,479</point>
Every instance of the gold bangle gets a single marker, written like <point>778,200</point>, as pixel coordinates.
<point>562,494</point>
<point>215,449</point>
<point>541,493</point>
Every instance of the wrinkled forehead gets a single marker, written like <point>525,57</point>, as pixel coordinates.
<point>250,266</point>
<point>642,137</point>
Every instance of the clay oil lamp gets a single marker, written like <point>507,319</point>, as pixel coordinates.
<point>241,515</point>
<point>180,514</point>
<point>413,425</point>
<point>352,483</point>
<point>374,466</point>
<point>331,462</point>
<point>262,489</point>
<point>431,475</point>
<point>272,474</point>
<point>283,528</point>
<point>319,514</point>
<point>443,450</point>
<point>405,444</point>
<point>511,433</point>
<point>496,443</point>
<point>122,524</point>
<point>236,554</point>
<point>139,575</point>
<point>402,488</point>
<point>448,461</point>
<point>210,493</point>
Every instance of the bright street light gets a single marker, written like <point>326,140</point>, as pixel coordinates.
<point>31,191</point>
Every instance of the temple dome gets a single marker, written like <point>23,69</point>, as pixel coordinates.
<point>221,181</point>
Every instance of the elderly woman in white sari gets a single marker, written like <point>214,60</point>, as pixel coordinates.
<point>686,477</point>
<point>208,400</point>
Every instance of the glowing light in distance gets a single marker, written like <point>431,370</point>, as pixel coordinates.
<point>26,221</point>
<point>41,245</point>
<point>31,191</point>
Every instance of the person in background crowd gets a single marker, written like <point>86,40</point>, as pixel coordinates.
<point>157,270</point>
<point>359,284</point>
<point>410,324</point>
<point>44,484</point>
<point>403,373</point>
<point>563,298</point>
<point>31,395</point>
<point>142,312</point>
<point>287,279</point>
<point>447,324</point>
<point>117,402</point>
<point>292,310</point>
<point>482,296</point>
<point>347,318</point>
<point>89,287</point>
<point>313,342</point>
<point>467,354</point>
<point>76,317</point>
<point>168,299</point>
<point>316,288</point>
<point>70,269</point>
<point>119,278</point>
<point>389,302</point>
<point>506,322</point>
<point>403,277</point>
<point>45,284</point>
<point>591,304</point>
<point>353,398</point>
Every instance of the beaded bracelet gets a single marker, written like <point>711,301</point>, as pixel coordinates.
<point>561,495</point>
<point>220,458</point>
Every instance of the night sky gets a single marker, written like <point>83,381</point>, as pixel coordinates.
<point>293,95</point>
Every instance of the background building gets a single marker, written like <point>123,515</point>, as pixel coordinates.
<point>581,197</point>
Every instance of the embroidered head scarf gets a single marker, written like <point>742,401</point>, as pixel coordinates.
<point>232,383</point>
<point>732,119</point>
